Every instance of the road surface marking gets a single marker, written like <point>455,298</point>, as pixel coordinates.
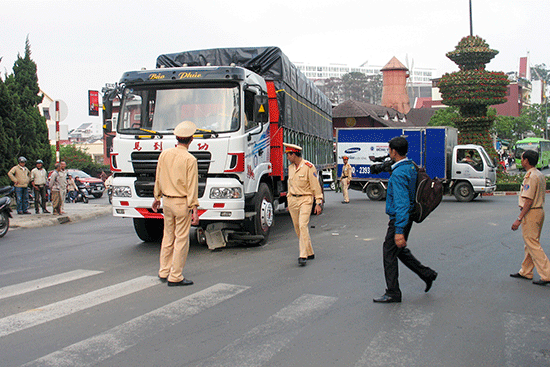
<point>120,338</point>
<point>33,285</point>
<point>260,344</point>
<point>398,343</point>
<point>30,318</point>
<point>526,340</point>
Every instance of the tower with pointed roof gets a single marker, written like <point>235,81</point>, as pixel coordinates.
<point>394,90</point>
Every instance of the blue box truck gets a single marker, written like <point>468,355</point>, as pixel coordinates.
<point>466,170</point>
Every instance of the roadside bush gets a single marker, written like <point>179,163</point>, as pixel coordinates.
<point>513,183</point>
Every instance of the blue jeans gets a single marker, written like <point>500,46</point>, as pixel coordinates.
<point>22,197</point>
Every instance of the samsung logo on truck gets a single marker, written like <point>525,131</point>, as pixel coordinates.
<point>352,150</point>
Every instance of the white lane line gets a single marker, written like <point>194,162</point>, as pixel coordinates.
<point>260,344</point>
<point>120,338</point>
<point>33,285</point>
<point>526,340</point>
<point>30,318</point>
<point>399,344</point>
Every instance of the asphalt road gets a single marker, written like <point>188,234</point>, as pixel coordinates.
<point>86,294</point>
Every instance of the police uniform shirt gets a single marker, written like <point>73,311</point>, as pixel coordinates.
<point>177,175</point>
<point>346,171</point>
<point>534,188</point>
<point>303,180</point>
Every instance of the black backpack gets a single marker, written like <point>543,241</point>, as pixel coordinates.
<point>428,195</point>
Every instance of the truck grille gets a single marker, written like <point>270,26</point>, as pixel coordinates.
<point>145,167</point>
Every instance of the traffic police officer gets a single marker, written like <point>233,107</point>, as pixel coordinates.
<point>303,189</point>
<point>345,179</point>
<point>177,184</point>
<point>531,219</point>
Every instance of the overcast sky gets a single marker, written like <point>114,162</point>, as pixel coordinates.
<point>81,45</point>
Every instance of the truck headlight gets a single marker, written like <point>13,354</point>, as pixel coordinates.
<point>226,193</point>
<point>122,191</point>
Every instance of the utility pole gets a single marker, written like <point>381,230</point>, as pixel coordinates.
<point>471,24</point>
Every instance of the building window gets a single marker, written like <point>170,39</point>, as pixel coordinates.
<point>46,112</point>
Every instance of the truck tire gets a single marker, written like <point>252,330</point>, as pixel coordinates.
<point>149,230</point>
<point>464,192</point>
<point>261,223</point>
<point>97,196</point>
<point>375,192</point>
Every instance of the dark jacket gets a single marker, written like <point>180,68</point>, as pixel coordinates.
<point>400,193</point>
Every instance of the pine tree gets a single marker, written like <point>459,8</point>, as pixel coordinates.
<point>30,126</point>
<point>9,144</point>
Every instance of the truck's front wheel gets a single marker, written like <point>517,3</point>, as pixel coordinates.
<point>464,192</point>
<point>376,192</point>
<point>262,221</point>
<point>149,230</point>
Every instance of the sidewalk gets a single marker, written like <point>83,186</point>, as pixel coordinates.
<point>74,212</point>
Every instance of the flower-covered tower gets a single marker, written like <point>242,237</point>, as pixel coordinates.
<point>472,90</point>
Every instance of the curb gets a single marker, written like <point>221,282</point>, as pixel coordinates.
<point>50,220</point>
<point>505,193</point>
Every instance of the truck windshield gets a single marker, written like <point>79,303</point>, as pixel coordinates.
<point>161,110</point>
<point>486,158</point>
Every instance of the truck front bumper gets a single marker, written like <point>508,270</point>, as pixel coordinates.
<point>209,209</point>
<point>485,189</point>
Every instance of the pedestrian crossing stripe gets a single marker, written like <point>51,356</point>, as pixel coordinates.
<point>30,318</point>
<point>398,344</point>
<point>33,285</point>
<point>260,344</point>
<point>526,340</point>
<point>120,338</point>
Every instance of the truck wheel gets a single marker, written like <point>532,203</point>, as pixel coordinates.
<point>464,192</point>
<point>333,186</point>
<point>149,230</point>
<point>375,192</point>
<point>261,223</point>
<point>97,196</point>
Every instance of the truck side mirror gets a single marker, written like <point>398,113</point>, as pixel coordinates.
<point>261,108</point>
<point>107,109</point>
<point>108,126</point>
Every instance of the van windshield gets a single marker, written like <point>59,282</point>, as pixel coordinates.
<point>522,147</point>
<point>162,109</point>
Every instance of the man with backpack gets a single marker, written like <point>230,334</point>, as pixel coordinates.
<point>399,204</point>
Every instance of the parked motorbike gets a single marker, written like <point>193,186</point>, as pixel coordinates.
<point>5,210</point>
<point>81,192</point>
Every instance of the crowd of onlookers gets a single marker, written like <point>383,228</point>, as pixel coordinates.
<point>57,187</point>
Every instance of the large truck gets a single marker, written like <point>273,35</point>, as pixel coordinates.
<point>466,170</point>
<point>245,102</point>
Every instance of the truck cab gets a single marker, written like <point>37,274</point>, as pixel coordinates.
<point>472,172</point>
<point>231,143</point>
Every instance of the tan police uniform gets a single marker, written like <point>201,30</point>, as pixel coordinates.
<point>177,184</point>
<point>345,179</point>
<point>534,188</point>
<point>303,189</point>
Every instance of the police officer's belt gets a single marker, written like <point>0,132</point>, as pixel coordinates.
<point>174,197</point>
<point>299,195</point>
